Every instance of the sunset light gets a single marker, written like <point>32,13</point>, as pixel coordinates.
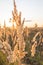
<point>21,32</point>
<point>31,10</point>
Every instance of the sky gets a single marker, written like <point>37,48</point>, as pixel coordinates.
<point>31,10</point>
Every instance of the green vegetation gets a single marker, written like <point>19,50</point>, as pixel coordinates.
<point>36,60</point>
<point>3,59</point>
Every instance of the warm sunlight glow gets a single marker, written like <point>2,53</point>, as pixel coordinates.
<point>31,10</point>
